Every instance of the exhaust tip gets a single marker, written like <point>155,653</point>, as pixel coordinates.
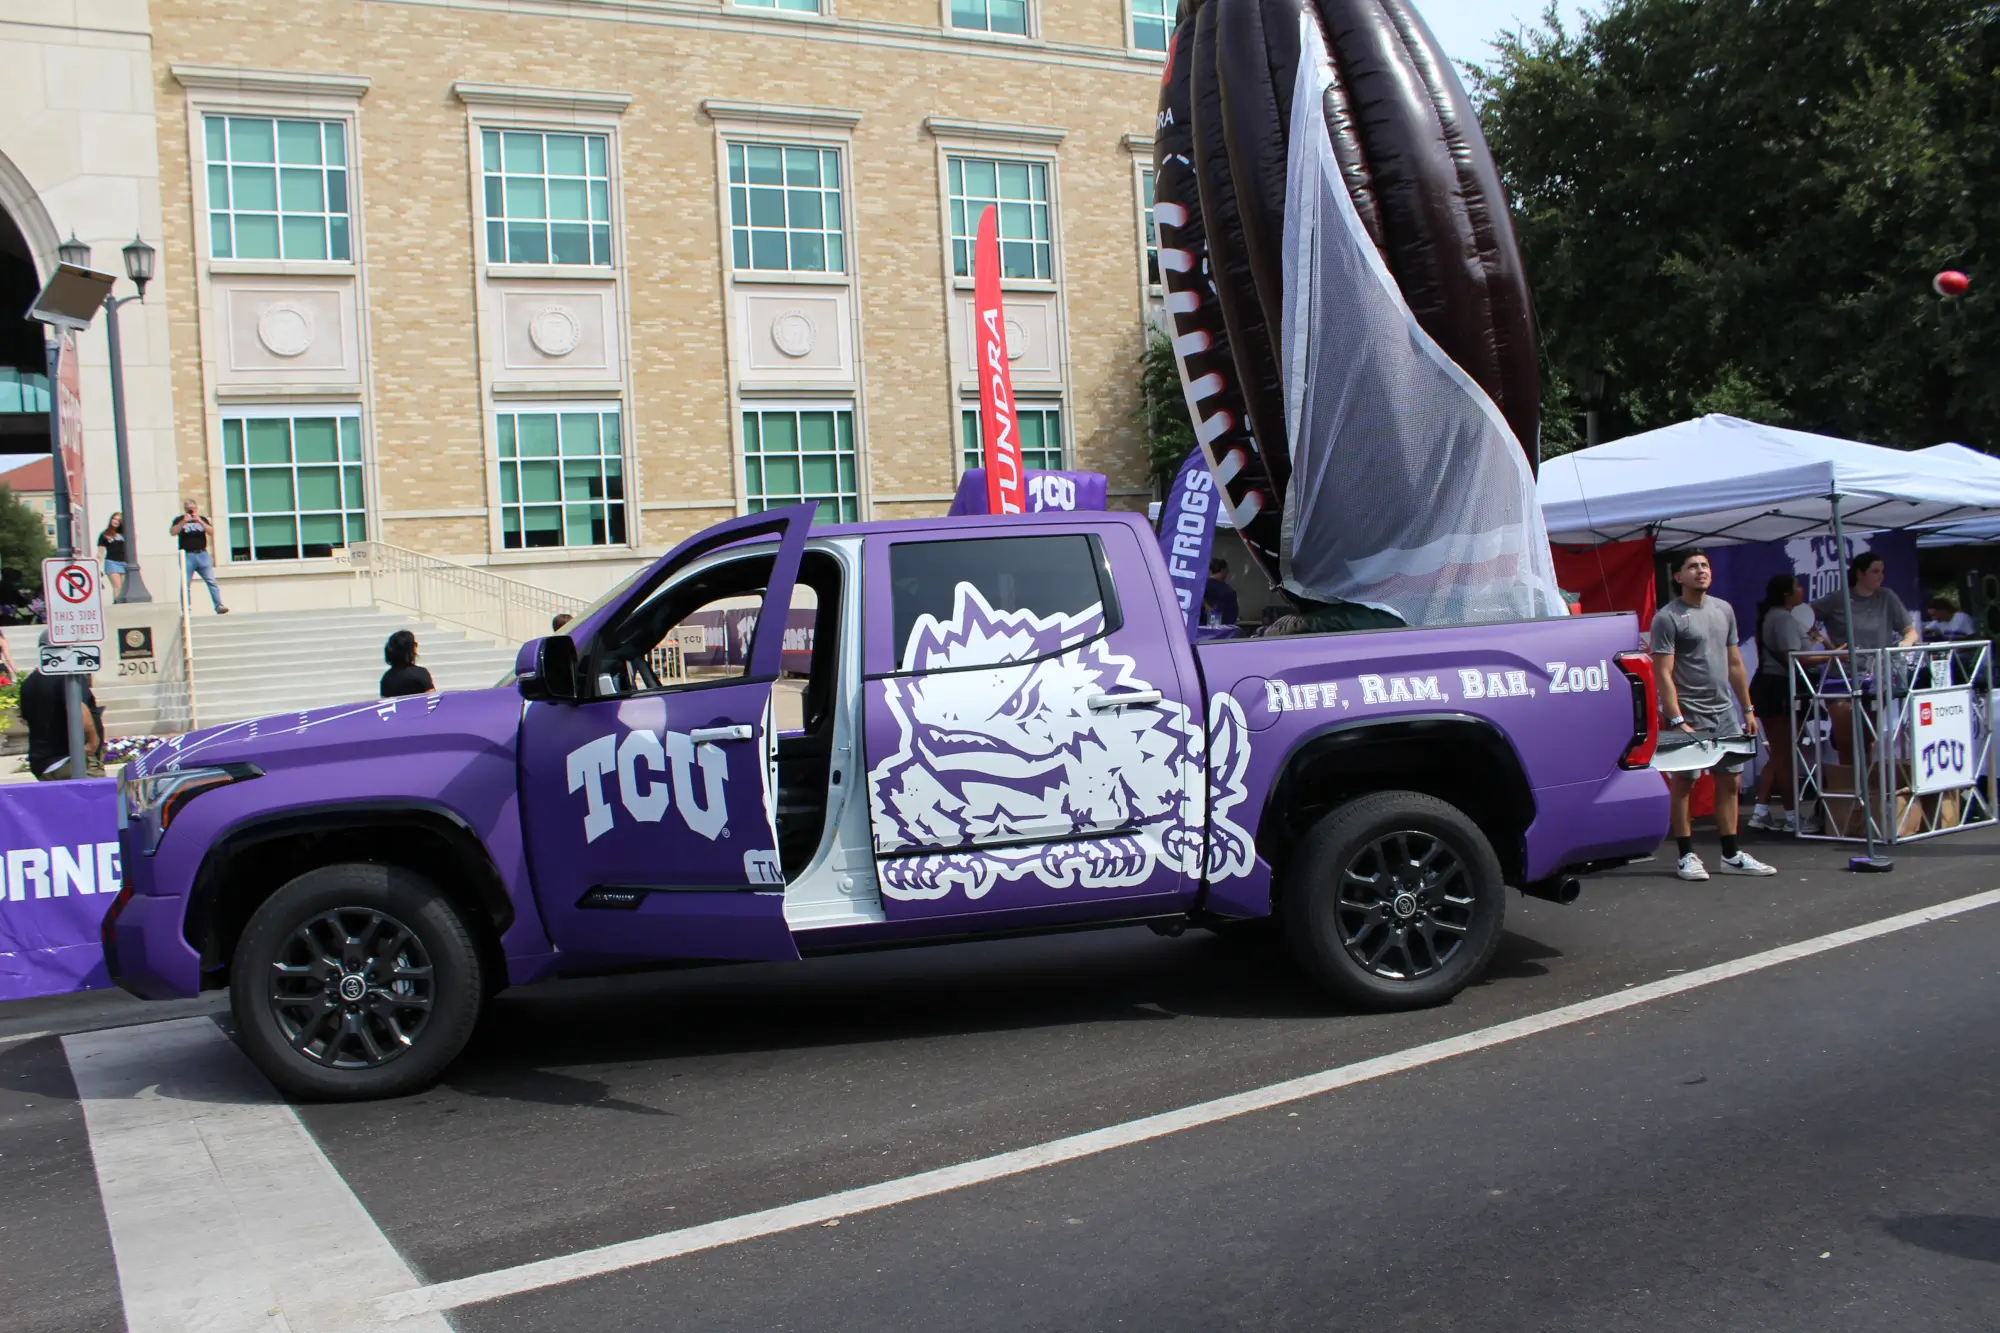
<point>1561,889</point>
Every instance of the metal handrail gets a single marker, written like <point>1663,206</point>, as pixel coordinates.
<point>488,604</point>
<point>187,641</point>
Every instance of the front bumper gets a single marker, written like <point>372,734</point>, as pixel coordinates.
<point>144,950</point>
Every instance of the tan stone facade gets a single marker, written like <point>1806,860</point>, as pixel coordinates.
<point>437,348</point>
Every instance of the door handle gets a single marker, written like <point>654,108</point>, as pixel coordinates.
<point>743,731</point>
<point>1136,699</point>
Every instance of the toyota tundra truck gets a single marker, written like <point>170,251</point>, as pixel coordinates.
<point>783,740</point>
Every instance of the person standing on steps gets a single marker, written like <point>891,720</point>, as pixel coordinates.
<point>404,676</point>
<point>111,550</point>
<point>192,528</point>
<point>1698,667</point>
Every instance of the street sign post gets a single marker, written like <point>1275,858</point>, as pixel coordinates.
<point>73,593</point>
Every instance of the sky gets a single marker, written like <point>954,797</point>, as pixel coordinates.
<point>1465,27</point>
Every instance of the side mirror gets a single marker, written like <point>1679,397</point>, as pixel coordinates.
<point>553,674</point>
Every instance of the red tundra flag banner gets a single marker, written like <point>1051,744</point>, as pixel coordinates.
<point>1006,492</point>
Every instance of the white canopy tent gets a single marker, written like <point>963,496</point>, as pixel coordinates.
<point>1720,480</point>
<point>1979,531</point>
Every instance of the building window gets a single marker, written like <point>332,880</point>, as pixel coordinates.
<point>790,6</point>
<point>1152,231</point>
<point>1152,24</point>
<point>1041,437</point>
<point>548,197</point>
<point>794,456</point>
<point>562,479</point>
<point>277,189</point>
<point>1020,190</point>
<point>293,484</point>
<point>1009,16</point>
<point>784,208</point>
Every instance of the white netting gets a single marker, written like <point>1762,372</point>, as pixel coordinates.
<point>1408,490</point>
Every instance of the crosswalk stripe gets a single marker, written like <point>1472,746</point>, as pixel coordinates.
<point>225,1216</point>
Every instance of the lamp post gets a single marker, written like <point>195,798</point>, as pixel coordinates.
<point>139,268</point>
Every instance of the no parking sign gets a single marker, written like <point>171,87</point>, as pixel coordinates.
<point>73,595</point>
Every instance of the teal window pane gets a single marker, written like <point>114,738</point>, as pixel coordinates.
<point>609,427</point>
<point>541,481</point>
<point>980,178</point>
<point>816,432</point>
<point>600,201</point>
<point>739,246</point>
<point>319,532</point>
<point>781,477</point>
<point>736,163</point>
<point>600,245</point>
<point>537,434</point>
<point>319,488</point>
<point>955,172</point>
<point>510,483</point>
<point>1013,180</point>
<point>299,142</point>
<point>215,133</point>
<point>836,254</point>
<point>237,486</point>
<point>526,197</point>
<point>767,208</point>
<point>218,236</point>
<point>336,144</point>
<point>305,238</point>
<point>569,243</point>
<point>527,243</point>
<point>350,438</point>
<point>251,140</point>
<point>780,433</point>
<point>579,433</point>
<point>809,254</point>
<point>218,187</point>
<point>521,152</point>
<point>489,149</point>
<point>270,490</point>
<point>357,528</point>
<point>336,192</point>
<point>496,200</point>
<point>315,439</point>
<point>750,432</point>
<point>765,163</point>
<point>510,529</point>
<point>254,189</point>
<point>599,148</point>
<point>274,538</point>
<point>270,440</point>
<point>351,485</point>
<point>239,539</point>
<point>565,155</point>
<point>506,434</point>
<point>232,442</point>
<point>496,242</point>
<point>822,475</point>
<point>767,249</point>
<point>336,242</point>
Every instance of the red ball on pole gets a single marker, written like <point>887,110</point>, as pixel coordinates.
<point>1951,283</point>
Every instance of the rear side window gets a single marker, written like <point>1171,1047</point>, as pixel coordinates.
<point>1044,595</point>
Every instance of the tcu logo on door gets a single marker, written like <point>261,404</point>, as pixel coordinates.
<point>642,764</point>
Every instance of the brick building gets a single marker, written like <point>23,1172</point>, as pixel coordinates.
<point>545,287</point>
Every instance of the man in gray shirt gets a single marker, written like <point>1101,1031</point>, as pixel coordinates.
<point>1698,668</point>
<point>1880,618</point>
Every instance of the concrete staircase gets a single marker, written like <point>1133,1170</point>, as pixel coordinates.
<point>254,664</point>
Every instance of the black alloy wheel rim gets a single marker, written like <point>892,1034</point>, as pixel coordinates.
<point>1406,906</point>
<point>352,988</point>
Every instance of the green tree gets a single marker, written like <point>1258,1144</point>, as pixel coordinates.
<point>1163,413</point>
<point>24,538</point>
<point>1738,206</point>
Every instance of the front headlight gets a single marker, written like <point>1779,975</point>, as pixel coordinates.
<point>157,797</point>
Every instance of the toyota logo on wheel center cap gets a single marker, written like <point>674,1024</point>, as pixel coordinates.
<point>1405,905</point>
<point>352,988</point>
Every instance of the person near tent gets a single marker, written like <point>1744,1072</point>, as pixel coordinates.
<point>1779,635</point>
<point>1943,621</point>
<point>1880,618</point>
<point>1698,666</point>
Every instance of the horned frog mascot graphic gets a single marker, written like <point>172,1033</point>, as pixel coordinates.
<point>1016,754</point>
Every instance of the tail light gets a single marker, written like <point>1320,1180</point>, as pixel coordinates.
<point>1638,669</point>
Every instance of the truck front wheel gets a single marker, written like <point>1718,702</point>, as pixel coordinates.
<point>1394,901</point>
<point>353,982</point>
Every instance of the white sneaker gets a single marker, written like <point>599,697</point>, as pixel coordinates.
<point>1691,868</point>
<point>1744,864</point>
<point>1759,819</point>
<point>1790,824</point>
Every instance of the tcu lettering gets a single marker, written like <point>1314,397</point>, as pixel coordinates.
<point>1402,690</point>
<point>1567,679</point>
<point>1944,757</point>
<point>642,764</point>
<point>1475,684</point>
<point>1049,492</point>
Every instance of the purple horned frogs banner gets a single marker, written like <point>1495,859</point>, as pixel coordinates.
<point>59,846</point>
<point>1187,535</point>
<point>1046,490</point>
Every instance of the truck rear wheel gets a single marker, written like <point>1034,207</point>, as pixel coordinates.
<point>353,982</point>
<point>1394,901</point>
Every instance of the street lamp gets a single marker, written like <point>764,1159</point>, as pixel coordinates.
<point>73,252</point>
<point>139,268</point>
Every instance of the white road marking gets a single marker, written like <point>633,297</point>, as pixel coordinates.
<point>225,1215</point>
<point>730,1231</point>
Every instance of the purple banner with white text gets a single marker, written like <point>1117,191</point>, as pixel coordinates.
<point>1187,536</point>
<point>1741,572</point>
<point>1079,491</point>
<point>59,846</point>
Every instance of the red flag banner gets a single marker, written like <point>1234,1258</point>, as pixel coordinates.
<point>69,412</point>
<point>999,431</point>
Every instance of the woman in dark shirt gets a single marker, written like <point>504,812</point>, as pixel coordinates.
<point>111,547</point>
<point>404,676</point>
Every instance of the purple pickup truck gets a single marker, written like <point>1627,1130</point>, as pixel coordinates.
<point>992,727</point>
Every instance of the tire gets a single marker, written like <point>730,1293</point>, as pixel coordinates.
<point>1429,937</point>
<point>383,1018</point>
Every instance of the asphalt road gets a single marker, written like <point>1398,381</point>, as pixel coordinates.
<point>1811,1146</point>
